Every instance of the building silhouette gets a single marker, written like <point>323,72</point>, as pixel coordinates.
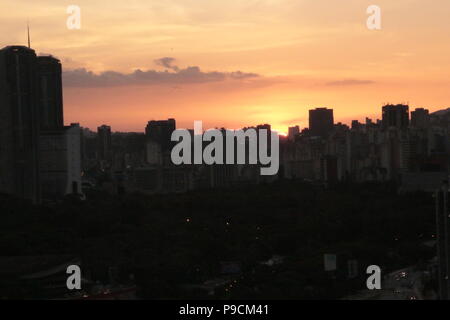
<point>293,132</point>
<point>321,122</point>
<point>50,93</point>
<point>39,157</point>
<point>420,118</point>
<point>60,164</point>
<point>104,147</point>
<point>395,116</point>
<point>19,123</point>
<point>160,132</point>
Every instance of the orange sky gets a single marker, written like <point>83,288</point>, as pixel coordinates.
<point>293,54</point>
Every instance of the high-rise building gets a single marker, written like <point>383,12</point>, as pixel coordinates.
<point>160,132</point>
<point>293,132</point>
<point>50,93</point>
<point>104,146</point>
<point>19,123</point>
<point>395,116</point>
<point>58,152</point>
<point>61,162</point>
<point>321,122</point>
<point>420,118</point>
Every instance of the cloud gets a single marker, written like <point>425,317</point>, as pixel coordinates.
<point>349,82</point>
<point>167,62</point>
<point>173,75</point>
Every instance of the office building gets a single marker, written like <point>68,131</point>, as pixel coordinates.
<point>19,123</point>
<point>50,93</point>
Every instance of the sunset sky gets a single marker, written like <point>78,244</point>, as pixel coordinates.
<point>236,63</point>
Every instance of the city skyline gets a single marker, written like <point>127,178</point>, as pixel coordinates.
<point>200,151</point>
<point>266,61</point>
<point>45,158</point>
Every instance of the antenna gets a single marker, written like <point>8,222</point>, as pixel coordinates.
<point>28,32</point>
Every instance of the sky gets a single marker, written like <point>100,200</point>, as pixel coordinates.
<point>236,63</point>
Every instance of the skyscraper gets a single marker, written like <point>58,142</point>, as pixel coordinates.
<point>395,116</point>
<point>160,132</point>
<point>321,122</point>
<point>19,123</point>
<point>104,148</point>
<point>50,93</point>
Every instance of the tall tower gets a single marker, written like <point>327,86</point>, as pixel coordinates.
<point>50,93</point>
<point>19,123</point>
<point>104,148</point>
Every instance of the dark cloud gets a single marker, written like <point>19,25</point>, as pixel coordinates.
<point>349,82</point>
<point>176,76</point>
<point>167,62</point>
